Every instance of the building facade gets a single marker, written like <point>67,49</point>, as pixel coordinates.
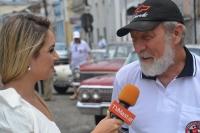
<point>110,15</point>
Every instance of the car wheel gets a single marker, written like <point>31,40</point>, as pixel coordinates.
<point>98,118</point>
<point>61,90</point>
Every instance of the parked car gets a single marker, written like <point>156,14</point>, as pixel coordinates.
<point>98,55</point>
<point>61,49</point>
<point>63,74</point>
<point>62,78</point>
<point>95,93</point>
<point>114,58</point>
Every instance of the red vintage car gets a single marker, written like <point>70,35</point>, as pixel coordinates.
<point>95,93</point>
<point>115,56</point>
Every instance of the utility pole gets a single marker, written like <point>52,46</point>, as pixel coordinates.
<point>41,83</point>
<point>195,22</point>
<point>45,7</point>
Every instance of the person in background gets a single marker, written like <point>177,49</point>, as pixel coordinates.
<point>79,54</point>
<point>48,88</point>
<point>1,84</point>
<point>167,73</point>
<point>102,42</point>
<point>27,55</point>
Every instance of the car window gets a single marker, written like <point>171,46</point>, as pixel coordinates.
<point>118,51</point>
<point>111,51</point>
<point>122,51</point>
<point>60,46</point>
<point>131,57</point>
<point>97,54</point>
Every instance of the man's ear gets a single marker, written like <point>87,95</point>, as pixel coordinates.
<point>177,34</point>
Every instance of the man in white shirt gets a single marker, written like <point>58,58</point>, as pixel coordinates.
<point>102,42</point>
<point>167,73</point>
<point>79,54</point>
<point>1,84</point>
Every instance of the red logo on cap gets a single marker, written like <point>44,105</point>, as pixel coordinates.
<point>142,8</point>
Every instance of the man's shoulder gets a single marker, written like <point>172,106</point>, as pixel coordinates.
<point>196,59</point>
<point>196,65</point>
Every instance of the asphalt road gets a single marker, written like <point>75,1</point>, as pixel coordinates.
<point>67,116</point>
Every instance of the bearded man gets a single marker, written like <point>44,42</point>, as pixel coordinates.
<point>167,73</point>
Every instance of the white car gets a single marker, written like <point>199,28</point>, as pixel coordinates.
<point>61,49</point>
<point>62,77</point>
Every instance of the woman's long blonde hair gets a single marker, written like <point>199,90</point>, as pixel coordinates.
<point>21,38</point>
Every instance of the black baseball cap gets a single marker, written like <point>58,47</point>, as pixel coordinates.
<point>150,14</point>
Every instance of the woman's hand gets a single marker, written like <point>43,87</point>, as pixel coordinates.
<point>108,125</point>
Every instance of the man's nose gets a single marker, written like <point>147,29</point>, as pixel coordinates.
<point>139,46</point>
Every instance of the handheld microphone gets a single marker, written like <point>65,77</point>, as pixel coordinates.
<point>127,97</point>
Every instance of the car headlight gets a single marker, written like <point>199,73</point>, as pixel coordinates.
<point>96,97</point>
<point>84,97</point>
<point>89,96</point>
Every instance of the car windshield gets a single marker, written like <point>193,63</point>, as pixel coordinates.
<point>60,46</point>
<point>131,57</point>
<point>118,50</point>
<point>98,54</point>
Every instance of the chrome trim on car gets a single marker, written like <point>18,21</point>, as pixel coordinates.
<point>93,108</point>
<point>95,86</point>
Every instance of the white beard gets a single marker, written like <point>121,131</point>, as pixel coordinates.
<point>160,65</point>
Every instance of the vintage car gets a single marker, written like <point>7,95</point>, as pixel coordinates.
<point>62,78</point>
<point>61,49</point>
<point>63,74</point>
<point>95,93</point>
<point>114,58</point>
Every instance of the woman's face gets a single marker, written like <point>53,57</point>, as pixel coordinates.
<point>42,67</point>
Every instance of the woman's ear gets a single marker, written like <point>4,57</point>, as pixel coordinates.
<point>178,34</point>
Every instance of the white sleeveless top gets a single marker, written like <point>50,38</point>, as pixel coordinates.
<point>19,116</point>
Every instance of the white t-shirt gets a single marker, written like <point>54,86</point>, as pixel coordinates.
<point>79,53</point>
<point>19,116</point>
<point>162,109</point>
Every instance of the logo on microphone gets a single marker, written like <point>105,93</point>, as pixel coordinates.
<point>121,112</point>
<point>193,127</point>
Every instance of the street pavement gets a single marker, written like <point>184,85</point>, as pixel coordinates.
<point>67,116</point>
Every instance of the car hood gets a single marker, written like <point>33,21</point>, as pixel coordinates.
<point>106,65</point>
<point>62,69</point>
<point>62,52</point>
<point>106,80</point>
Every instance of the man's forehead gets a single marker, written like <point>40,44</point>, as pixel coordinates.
<point>137,33</point>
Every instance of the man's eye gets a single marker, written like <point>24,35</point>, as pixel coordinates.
<point>147,37</point>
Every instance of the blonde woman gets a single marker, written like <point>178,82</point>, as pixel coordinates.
<point>27,55</point>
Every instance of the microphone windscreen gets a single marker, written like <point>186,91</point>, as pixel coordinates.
<point>129,94</point>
